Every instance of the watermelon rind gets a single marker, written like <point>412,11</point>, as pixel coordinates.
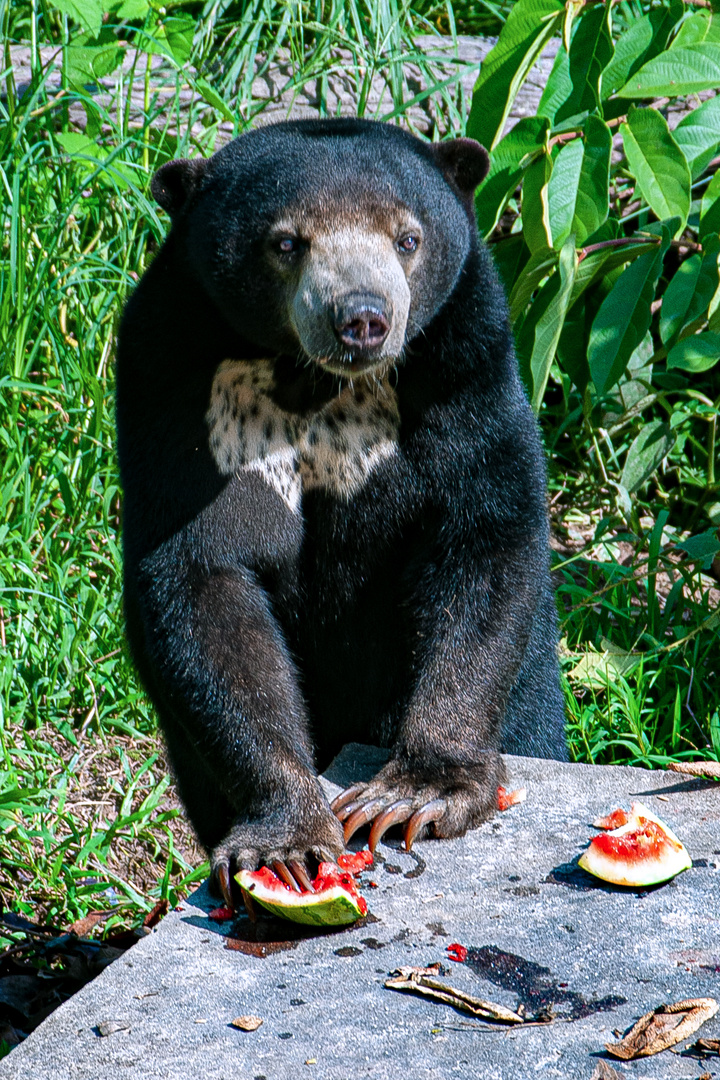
<point>639,872</point>
<point>330,907</point>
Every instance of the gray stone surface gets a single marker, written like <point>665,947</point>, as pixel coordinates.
<point>507,888</point>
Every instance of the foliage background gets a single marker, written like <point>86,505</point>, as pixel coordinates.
<point>604,225</point>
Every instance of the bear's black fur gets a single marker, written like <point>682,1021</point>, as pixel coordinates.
<point>335,525</point>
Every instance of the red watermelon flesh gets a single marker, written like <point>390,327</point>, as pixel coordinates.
<point>616,820</point>
<point>643,851</point>
<point>334,902</point>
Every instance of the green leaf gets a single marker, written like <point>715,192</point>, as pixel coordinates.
<point>710,209</point>
<point>572,346</point>
<point>698,135</point>
<point>599,263</point>
<point>658,164</point>
<point>578,188</point>
<point>693,30</point>
<point>558,87</point>
<point>131,9</point>
<point>647,450</point>
<point>179,31</point>
<point>590,53</point>
<point>643,39</point>
<point>563,189</point>
<point>510,255</point>
<point>624,317</point>
<point>701,546</point>
<point>676,72</point>
<point>85,64</point>
<point>699,352</point>
<point>535,212</point>
<point>529,26</point>
<point>206,91</point>
<point>538,266</point>
<point>87,13</point>
<point>541,329</point>
<point>507,162</point>
<point>689,293</point>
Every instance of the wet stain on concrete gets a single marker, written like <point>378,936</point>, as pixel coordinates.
<point>348,950</point>
<point>539,993</point>
<point>265,936</point>
<point>420,866</point>
<point>372,943</point>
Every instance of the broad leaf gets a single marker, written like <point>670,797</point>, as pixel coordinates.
<point>535,211</point>
<point>538,266</point>
<point>710,209</point>
<point>643,39</point>
<point>563,189</point>
<point>540,331</point>
<point>510,255</point>
<point>529,26</point>
<point>701,546</point>
<point>658,164</point>
<point>647,450</point>
<point>572,346</point>
<point>507,162</point>
<point>558,87</point>
<point>602,262</point>
<point>87,13</point>
<point>699,352</point>
<point>578,188</point>
<point>590,53</point>
<point>693,31</point>
<point>688,295</point>
<point>131,9</point>
<point>676,72</point>
<point>624,317</point>
<point>85,64</point>
<point>698,135</point>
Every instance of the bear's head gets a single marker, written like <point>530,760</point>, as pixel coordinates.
<point>334,240</point>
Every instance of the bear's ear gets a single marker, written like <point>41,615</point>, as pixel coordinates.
<point>465,163</point>
<point>173,183</point>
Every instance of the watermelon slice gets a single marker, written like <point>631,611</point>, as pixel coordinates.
<point>335,901</point>
<point>642,851</point>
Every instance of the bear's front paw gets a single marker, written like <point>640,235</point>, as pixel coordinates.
<point>444,800</point>
<point>288,850</point>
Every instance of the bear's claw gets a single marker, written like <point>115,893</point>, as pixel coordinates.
<point>355,813</point>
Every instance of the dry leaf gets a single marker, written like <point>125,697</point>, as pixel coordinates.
<point>246,1023</point>
<point>82,927</point>
<point>707,1046</point>
<point>668,1025</point>
<point>422,981</point>
<point>109,1027</point>
<point>709,769</point>
<point>603,1071</point>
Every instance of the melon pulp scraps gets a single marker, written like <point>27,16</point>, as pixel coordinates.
<point>641,851</point>
<point>335,901</point>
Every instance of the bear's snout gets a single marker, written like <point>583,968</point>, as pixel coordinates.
<point>361,322</point>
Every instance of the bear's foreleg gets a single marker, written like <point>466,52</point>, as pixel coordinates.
<point>472,621</point>
<point>229,700</point>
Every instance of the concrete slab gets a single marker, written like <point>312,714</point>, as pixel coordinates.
<point>538,931</point>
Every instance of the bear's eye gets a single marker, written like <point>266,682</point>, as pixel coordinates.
<point>287,245</point>
<point>408,244</point>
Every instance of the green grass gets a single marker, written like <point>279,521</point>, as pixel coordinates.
<point>84,804</point>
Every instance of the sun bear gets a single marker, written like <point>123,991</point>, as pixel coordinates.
<point>335,523</point>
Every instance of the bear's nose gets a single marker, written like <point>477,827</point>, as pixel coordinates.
<point>361,322</point>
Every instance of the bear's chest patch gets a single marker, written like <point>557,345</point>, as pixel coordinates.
<point>336,448</point>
